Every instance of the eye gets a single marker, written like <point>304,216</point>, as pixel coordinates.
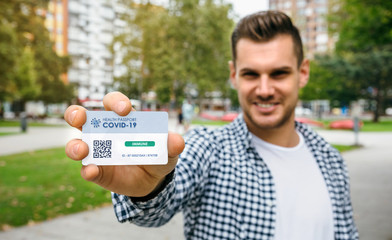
<point>249,75</point>
<point>280,74</point>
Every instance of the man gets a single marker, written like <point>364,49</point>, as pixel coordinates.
<point>263,176</point>
<point>187,113</point>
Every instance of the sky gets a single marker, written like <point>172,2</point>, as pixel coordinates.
<point>240,7</point>
<point>245,7</point>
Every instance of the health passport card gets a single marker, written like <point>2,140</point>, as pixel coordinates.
<point>140,138</point>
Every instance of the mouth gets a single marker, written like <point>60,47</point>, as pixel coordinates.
<point>266,107</point>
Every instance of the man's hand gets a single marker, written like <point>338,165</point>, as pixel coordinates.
<point>130,180</point>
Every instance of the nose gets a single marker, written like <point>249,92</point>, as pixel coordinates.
<point>265,87</point>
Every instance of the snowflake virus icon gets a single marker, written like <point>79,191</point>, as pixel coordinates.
<point>95,122</point>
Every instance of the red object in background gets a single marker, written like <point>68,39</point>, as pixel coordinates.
<point>229,117</point>
<point>309,121</point>
<point>344,124</point>
<point>209,117</point>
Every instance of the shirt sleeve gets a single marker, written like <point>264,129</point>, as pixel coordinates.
<point>348,209</point>
<point>345,227</point>
<point>184,189</point>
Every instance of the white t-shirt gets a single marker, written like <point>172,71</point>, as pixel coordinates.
<point>304,209</point>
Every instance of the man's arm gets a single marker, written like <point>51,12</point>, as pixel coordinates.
<point>180,190</point>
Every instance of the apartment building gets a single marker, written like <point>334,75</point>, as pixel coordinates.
<point>56,21</point>
<point>310,17</point>
<point>90,32</point>
<point>83,30</point>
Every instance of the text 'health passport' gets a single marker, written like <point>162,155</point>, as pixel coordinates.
<point>140,138</point>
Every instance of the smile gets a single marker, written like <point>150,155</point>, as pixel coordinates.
<point>265,105</point>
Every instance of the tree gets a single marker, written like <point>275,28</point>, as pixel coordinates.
<point>361,25</point>
<point>374,71</point>
<point>25,79</point>
<point>31,69</point>
<point>365,42</point>
<point>165,49</point>
<point>331,77</point>
<point>9,53</point>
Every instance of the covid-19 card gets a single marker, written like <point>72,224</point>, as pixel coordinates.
<point>140,138</point>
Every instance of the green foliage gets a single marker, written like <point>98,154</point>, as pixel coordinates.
<point>42,185</point>
<point>233,96</point>
<point>9,52</point>
<point>362,25</point>
<point>365,41</point>
<point>360,66</point>
<point>31,69</point>
<point>374,71</point>
<point>330,78</point>
<point>164,49</point>
<point>25,80</point>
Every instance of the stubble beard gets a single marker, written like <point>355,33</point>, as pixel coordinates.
<point>285,119</point>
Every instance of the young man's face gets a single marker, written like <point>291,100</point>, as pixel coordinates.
<point>268,79</point>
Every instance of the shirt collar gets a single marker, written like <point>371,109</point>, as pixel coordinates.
<point>245,137</point>
<point>242,131</point>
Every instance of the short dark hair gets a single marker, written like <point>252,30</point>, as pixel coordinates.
<point>264,26</point>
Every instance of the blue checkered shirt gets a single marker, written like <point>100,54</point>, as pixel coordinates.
<point>226,191</point>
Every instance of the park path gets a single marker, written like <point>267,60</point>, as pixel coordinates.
<point>36,138</point>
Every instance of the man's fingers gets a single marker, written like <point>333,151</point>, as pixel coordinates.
<point>175,144</point>
<point>75,116</point>
<point>76,149</point>
<point>117,102</point>
<point>90,172</point>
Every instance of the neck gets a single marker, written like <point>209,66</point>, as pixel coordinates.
<point>285,136</point>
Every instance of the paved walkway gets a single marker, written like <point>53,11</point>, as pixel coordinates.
<point>371,184</point>
<point>36,138</point>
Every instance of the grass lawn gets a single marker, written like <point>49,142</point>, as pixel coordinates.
<point>344,148</point>
<point>41,185</point>
<point>382,126</point>
<point>209,122</point>
<point>8,123</point>
<point>7,133</point>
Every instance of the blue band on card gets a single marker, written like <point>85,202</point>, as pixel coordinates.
<point>134,122</point>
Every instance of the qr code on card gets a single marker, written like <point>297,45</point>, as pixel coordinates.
<point>102,148</point>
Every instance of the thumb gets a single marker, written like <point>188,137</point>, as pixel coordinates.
<point>175,144</point>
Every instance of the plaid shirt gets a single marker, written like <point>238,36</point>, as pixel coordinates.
<point>226,191</point>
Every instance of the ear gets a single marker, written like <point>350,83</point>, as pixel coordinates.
<point>304,71</point>
<point>232,74</point>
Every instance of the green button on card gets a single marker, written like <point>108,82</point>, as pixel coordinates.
<point>139,143</point>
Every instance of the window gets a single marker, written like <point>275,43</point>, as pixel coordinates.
<point>322,38</point>
<point>301,4</point>
<point>287,4</point>
<point>59,46</point>
<point>321,10</point>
